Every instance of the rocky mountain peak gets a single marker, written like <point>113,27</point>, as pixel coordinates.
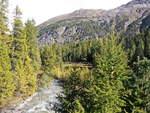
<point>138,2</point>
<point>87,12</point>
<point>141,1</point>
<point>86,24</point>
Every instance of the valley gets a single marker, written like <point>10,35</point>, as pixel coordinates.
<point>87,61</point>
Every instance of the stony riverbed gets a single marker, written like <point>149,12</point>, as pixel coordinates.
<point>43,101</point>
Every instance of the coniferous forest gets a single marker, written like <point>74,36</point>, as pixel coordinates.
<point>107,75</point>
<point>19,56</point>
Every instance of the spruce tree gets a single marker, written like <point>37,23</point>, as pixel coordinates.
<point>31,38</point>
<point>6,77</point>
<point>139,52</point>
<point>147,44</point>
<point>111,70</point>
<point>3,17</point>
<point>48,58</point>
<point>140,87</point>
<point>21,62</point>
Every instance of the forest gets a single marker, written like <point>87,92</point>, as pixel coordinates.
<point>118,81</point>
<point>108,75</point>
<point>19,57</point>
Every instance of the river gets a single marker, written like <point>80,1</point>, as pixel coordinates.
<point>43,101</point>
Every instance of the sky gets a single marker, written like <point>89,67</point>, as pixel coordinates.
<point>42,10</point>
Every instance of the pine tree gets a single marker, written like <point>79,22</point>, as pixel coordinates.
<point>50,57</point>
<point>74,97</point>
<point>21,62</point>
<point>6,77</point>
<point>3,17</point>
<point>140,87</point>
<point>147,44</point>
<point>111,70</point>
<point>31,37</point>
<point>139,50</point>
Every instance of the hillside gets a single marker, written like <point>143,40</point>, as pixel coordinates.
<point>84,24</point>
<point>106,75</point>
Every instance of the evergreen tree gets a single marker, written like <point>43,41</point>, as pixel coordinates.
<point>147,44</point>
<point>21,62</point>
<point>3,17</point>
<point>76,98</point>
<point>18,41</point>
<point>31,37</point>
<point>111,70</point>
<point>140,87</point>
<point>139,51</point>
<point>50,57</point>
<point>6,77</point>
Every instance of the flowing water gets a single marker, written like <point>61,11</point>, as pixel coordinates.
<point>42,101</point>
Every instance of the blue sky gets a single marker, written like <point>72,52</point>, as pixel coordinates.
<point>42,10</point>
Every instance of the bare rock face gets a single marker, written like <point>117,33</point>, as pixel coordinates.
<point>138,2</point>
<point>86,24</point>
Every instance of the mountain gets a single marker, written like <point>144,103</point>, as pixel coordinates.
<point>127,20</point>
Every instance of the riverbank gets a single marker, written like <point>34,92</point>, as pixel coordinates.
<point>43,101</point>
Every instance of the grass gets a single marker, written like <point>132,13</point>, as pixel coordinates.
<point>77,65</point>
<point>63,72</point>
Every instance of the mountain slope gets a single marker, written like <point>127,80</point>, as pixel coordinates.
<point>84,24</point>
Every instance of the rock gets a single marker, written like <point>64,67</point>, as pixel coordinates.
<point>85,24</point>
<point>40,105</point>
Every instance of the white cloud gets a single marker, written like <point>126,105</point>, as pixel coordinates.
<point>41,10</point>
